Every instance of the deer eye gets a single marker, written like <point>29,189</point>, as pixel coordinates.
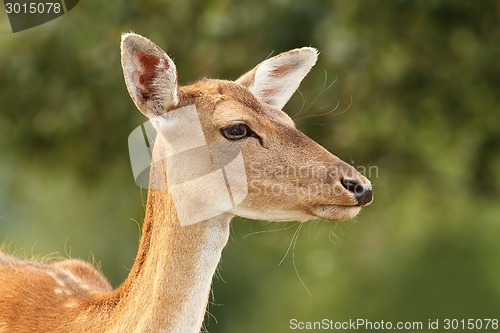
<point>235,132</point>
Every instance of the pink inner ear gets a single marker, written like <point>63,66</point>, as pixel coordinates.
<point>281,71</point>
<point>270,92</point>
<point>147,74</point>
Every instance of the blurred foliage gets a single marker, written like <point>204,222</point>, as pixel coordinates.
<point>418,90</point>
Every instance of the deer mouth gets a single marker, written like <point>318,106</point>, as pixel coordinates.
<point>336,212</point>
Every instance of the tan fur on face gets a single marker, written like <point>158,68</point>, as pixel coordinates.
<point>289,174</point>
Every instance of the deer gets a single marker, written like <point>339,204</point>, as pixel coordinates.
<point>168,286</point>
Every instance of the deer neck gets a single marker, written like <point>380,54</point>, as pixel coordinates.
<point>168,287</point>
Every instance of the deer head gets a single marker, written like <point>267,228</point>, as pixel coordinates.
<point>289,176</point>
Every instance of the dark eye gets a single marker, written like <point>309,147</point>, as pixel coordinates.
<point>235,132</point>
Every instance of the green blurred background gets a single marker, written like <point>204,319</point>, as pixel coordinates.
<point>424,80</point>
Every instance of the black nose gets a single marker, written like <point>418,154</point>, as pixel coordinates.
<point>362,193</point>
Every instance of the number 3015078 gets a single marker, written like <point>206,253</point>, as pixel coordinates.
<point>33,8</point>
<point>477,324</point>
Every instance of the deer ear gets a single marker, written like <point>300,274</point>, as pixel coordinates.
<point>150,75</point>
<point>275,80</point>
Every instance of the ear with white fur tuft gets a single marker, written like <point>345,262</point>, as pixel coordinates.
<point>150,75</point>
<point>275,80</point>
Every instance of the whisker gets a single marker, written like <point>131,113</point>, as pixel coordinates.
<point>341,231</point>
<point>331,240</point>
<point>303,110</point>
<point>264,231</point>
<point>348,107</point>
<point>300,110</point>
<point>291,242</point>
<point>333,233</point>
<point>293,260</point>
<point>322,114</point>
<point>323,90</point>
